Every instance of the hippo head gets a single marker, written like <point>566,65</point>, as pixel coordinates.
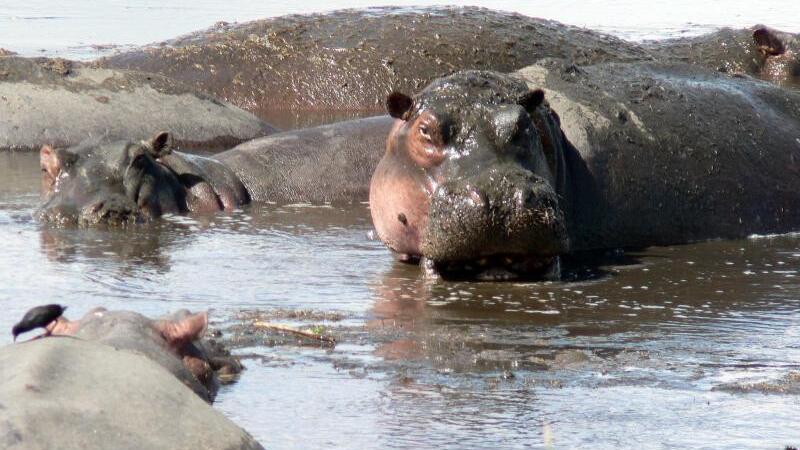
<point>115,183</point>
<point>122,182</point>
<point>781,53</point>
<point>468,183</point>
<point>171,341</point>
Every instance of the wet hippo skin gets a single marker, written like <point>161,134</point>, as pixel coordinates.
<point>514,169</point>
<point>351,59</point>
<point>62,103</point>
<point>115,379</point>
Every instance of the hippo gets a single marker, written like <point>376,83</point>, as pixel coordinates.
<point>172,341</point>
<point>351,59</point>
<point>60,102</point>
<point>114,379</point>
<point>496,176</point>
<point>121,183</point>
<point>759,51</point>
<point>512,170</point>
<point>125,182</point>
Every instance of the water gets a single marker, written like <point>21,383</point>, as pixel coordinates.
<point>635,351</point>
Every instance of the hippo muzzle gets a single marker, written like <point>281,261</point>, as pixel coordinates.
<point>504,224</point>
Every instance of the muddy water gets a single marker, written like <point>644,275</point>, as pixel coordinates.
<point>651,349</point>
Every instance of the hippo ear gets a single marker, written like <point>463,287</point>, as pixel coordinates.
<point>768,43</point>
<point>53,160</point>
<point>180,332</point>
<point>532,99</point>
<point>160,144</point>
<point>399,105</point>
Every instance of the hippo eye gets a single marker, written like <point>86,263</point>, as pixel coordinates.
<point>425,133</point>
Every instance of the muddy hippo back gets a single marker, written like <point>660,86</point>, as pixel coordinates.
<point>60,103</point>
<point>758,51</point>
<point>352,59</point>
<point>673,153</point>
<point>72,394</point>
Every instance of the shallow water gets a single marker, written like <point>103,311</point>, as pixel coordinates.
<point>633,351</point>
<point>628,353</point>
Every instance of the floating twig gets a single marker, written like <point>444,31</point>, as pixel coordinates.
<point>295,331</point>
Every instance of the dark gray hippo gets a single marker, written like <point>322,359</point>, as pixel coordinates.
<point>114,379</point>
<point>61,103</point>
<point>480,171</point>
<point>497,175</point>
<point>758,51</point>
<point>351,59</point>
<point>123,182</point>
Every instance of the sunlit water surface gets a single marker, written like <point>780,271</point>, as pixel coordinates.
<point>633,352</point>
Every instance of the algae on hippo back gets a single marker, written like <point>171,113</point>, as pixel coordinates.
<point>62,103</point>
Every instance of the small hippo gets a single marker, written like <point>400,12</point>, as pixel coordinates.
<point>115,379</point>
<point>128,182</point>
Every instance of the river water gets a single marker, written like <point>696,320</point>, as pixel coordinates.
<point>662,348</point>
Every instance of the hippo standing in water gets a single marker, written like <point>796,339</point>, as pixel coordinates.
<point>497,175</point>
<point>116,379</point>
<point>479,168</point>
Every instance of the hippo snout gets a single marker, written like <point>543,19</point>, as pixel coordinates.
<point>113,209</point>
<point>500,214</point>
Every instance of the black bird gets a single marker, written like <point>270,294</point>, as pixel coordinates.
<point>38,317</point>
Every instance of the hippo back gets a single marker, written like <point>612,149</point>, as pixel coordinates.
<point>673,153</point>
<point>68,393</point>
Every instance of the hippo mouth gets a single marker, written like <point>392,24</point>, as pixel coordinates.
<point>497,268</point>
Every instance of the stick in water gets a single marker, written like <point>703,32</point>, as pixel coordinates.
<point>288,329</point>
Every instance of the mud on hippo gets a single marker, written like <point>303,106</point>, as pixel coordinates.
<point>495,175</point>
<point>132,182</point>
<point>469,179</point>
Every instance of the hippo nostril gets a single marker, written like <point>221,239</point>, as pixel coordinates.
<point>402,218</point>
<point>477,197</point>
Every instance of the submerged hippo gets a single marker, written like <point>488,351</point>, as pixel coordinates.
<point>497,175</point>
<point>59,102</point>
<point>114,379</point>
<point>122,182</point>
<point>758,51</point>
